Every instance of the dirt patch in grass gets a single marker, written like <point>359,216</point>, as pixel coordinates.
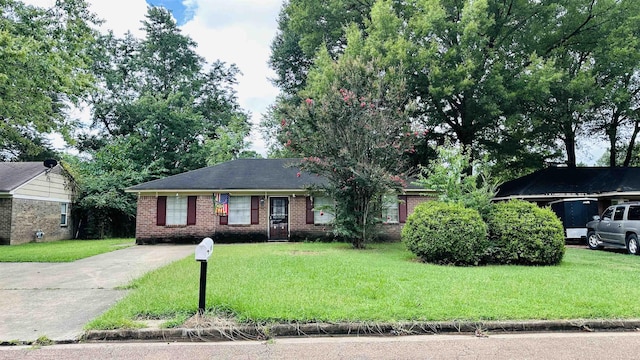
<point>198,321</point>
<point>304,252</point>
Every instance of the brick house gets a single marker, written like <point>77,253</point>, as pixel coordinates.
<point>35,203</point>
<point>247,200</point>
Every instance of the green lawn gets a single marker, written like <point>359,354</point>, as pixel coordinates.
<point>60,251</point>
<point>331,282</point>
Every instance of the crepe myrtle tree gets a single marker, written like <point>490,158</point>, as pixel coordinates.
<point>354,128</point>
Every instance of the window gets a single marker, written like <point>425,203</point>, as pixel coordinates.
<point>634,213</point>
<point>323,210</point>
<point>607,214</point>
<point>239,210</point>
<point>619,214</point>
<point>390,209</point>
<point>176,210</point>
<point>64,207</point>
<point>279,210</point>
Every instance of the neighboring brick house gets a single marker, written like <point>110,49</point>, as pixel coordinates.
<point>247,200</point>
<point>35,203</point>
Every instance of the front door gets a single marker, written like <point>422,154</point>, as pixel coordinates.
<point>278,218</point>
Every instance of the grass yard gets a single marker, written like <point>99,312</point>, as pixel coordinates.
<point>60,251</point>
<point>306,282</point>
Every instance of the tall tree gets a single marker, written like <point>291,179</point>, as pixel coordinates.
<point>159,109</point>
<point>354,129</point>
<point>485,73</point>
<point>303,27</point>
<point>44,69</point>
<point>588,39</point>
<point>616,71</point>
<point>159,93</point>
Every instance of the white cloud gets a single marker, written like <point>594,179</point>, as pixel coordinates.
<point>120,15</point>
<point>256,14</point>
<point>240,32</point>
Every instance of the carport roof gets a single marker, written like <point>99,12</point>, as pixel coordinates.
<point>578,181</point>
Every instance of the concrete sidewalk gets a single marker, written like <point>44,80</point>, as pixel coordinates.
<point>57,299</point>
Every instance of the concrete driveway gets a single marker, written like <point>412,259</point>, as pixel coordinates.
<point>57,299</point>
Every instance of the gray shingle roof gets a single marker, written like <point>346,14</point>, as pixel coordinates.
<point>241,174</point>
<point>14,174</point>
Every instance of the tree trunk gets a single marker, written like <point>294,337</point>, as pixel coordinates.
<point>632,142</point>
<point>358,239</point>
<point>570,146</point>
<point>612,133</point>
<point>613,152</point>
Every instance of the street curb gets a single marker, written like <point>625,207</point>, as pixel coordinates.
<point>264,332</point>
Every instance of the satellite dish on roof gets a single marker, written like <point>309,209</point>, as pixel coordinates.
<point>50,163</point>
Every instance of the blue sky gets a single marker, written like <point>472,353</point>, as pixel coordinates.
<point>180,11</point>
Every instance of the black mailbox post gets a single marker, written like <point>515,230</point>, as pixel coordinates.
<point>203,252</point>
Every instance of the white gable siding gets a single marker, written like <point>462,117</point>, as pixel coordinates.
<point>46,186</point>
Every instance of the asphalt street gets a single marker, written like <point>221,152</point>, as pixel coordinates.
<point>55,300</point>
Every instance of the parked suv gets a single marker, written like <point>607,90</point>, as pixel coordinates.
<point>618,227</point>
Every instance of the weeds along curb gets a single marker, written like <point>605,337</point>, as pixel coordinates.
<point>265,332</point>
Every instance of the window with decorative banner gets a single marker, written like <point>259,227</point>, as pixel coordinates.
<point>222,204</point>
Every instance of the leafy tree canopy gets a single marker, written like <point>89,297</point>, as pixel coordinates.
<point>161,96</point>
<point>159,109</point>
<point>521,81</point>
<point>45,67</point>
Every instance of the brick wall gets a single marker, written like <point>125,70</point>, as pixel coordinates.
<point>208,224</point>
<point>29,216</point>
<point>244,233</point>
<point>148,231</point>
<point>299,229</point>
<point>5,221</point>
<point>413,201</point>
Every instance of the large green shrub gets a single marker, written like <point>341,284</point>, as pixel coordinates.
<point>445,233</point>
<point>523,233</point>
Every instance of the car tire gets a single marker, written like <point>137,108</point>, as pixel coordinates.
<point>633,247</point>
<point>592,240</point>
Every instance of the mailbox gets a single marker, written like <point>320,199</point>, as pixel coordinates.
<point>204,249</point>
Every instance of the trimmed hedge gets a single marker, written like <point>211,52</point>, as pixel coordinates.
<point>523,233</point>
<point>445,233</point>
